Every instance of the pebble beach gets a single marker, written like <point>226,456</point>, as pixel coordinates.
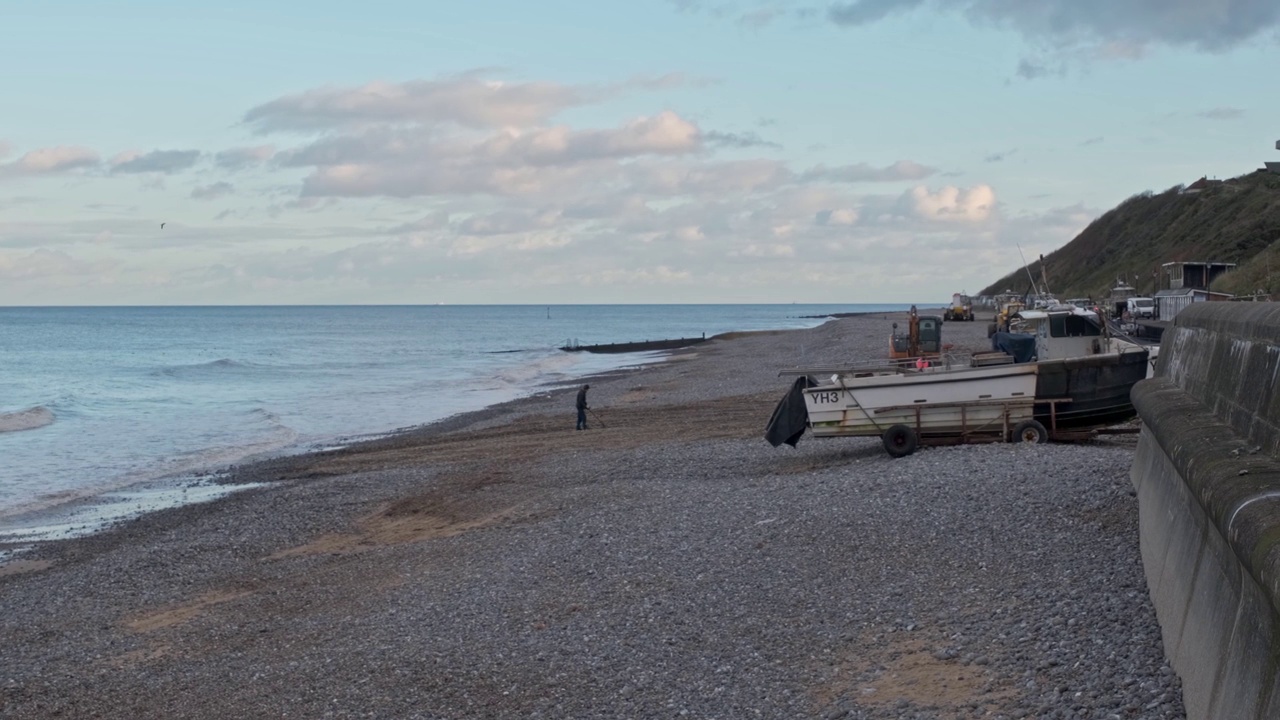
<point>665,563</point>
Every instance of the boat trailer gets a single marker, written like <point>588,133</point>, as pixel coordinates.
<point>902,439</point>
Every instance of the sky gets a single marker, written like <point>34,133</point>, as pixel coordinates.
<point>652,151</point>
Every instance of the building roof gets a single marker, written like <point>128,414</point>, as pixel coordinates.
<point>1197,262</point>
<point>1184,291</point>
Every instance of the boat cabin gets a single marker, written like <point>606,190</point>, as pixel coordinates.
<point>1063,331</point>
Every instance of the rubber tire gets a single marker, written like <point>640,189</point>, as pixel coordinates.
<point>900,441</point>
<point>991,329</point>
<point>1029,431</point>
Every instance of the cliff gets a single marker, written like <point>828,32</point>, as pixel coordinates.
<point>1230,221</point>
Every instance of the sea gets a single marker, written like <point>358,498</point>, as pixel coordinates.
<point>108,412</point>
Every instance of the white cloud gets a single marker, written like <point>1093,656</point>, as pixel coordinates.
<point>61,158</point>
<point>951,203</point>
<point>688,233</point>
<point>468,100</point>
<point>842,216</point>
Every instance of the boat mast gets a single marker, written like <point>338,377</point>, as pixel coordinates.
<point>1027,268</point>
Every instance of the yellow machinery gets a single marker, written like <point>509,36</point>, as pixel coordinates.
<point>961,308</point>
<point>922,339</point>
<point>1006,307</point>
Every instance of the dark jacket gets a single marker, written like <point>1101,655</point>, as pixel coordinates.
<point>582,398</point>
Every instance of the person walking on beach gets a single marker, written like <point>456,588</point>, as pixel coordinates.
<point>582,407</point>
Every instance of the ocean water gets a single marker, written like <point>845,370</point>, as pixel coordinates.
<point>99,402</point>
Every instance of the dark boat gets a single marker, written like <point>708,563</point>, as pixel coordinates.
<point>1097,387</point>
<point>1076,363</point>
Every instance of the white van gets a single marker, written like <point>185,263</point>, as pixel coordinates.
<point>1141,307</point>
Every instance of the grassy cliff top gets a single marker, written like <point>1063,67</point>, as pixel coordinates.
<point>1230,221</point>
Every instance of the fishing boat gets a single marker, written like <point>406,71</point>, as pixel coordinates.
<point>1078,362</point>
<point>1062,378</point>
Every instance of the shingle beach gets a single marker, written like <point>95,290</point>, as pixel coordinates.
<point>665,563</point>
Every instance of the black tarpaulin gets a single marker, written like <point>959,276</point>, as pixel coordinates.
<point>790,418</point>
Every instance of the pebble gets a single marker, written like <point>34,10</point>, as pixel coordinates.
<point>643,583</point>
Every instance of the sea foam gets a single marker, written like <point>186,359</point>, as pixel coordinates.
<point>28,419</point>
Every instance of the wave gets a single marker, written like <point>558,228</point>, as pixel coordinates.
<point>207,463</point>
<point>213,366</point>
<point>534,371</point>
<point>29,419</point>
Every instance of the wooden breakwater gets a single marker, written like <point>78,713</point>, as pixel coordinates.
<point>638,346</point>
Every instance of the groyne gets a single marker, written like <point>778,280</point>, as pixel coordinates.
<point>1207,474</point>
<point>637,346</point>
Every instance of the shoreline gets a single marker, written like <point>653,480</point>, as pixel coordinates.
<point>97,509</point>
<point>500,564</point>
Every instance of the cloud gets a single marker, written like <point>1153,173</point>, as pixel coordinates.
<point>409,162</point>
<point>841,217</point>
<point>508,211</point>
<point>156,161</point>
<point>212,192</point>
<point>951,204</point>
<point>5,149</point>
<point>1111,29</point>
<point>1097,139</point>
<point>865,12</point>
<point>1221,113</point>
<point>664,134</point>
<point>49,160</point>
<point>862,172</point>
<point>241,158</point>
<point>467,100</point>
<point>49,266</point>
<point>738,140</point>
<point>1000,156</point>
<point>508,222</point>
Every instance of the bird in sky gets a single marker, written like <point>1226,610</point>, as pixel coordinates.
<point>161,226</point>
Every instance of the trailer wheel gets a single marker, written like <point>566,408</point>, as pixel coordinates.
<point>900,441</point>
<point>1029,431</point>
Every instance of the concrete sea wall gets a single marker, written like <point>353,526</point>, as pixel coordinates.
<point>1207,473</point>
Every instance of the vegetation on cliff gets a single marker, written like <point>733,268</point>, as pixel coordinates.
<point>1230,221</point>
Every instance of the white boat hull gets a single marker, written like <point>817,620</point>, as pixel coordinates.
<point>939,402</point>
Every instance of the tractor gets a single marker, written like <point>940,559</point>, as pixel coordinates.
<point>961,308</point>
